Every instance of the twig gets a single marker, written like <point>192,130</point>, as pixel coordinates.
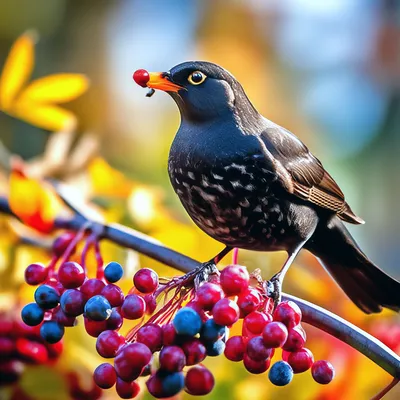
<point>386,390</point>
<point>312,314</point>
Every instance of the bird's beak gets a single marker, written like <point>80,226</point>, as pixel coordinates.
<point>162,81</point>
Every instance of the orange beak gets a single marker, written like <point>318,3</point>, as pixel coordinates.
<point>159,80</point>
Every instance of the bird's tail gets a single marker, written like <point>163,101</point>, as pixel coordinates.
<point>367,285</point>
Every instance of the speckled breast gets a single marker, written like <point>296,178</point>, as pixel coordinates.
<point>236,204</point>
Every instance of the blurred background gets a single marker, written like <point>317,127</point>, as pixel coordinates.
<point>328,71</point>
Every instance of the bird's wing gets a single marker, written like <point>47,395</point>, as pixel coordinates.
<point>303,174</point>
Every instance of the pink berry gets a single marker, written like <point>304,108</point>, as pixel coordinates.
<point>234,279</point>
<point>133,307</point>
<point>108,343</point>
<point>323,372</point>
<point>208,295</point>
<point>248,301</point>
<point>301,360</point>
<point>169,334</point>
<point>127,390</point>
<point>151,335</point>
<point>105,376</point>
<point>235,348</point>
<point>256,367</point>
<point>256,350</point>
<point>94,328</point>
<point>194,350</point>
<point>62,242</point>
<point>113,294</point>
<point>146,280</point>
<point>288,313</point>
<point>172,359</point>
<point>141,77</point>
<point>225,312</point>
<point>199,381</point>
<point>131,359</point>
<point>71,275</point>
<point>92,287</point>
<point>296,339</point>
<point>35,274</point>
<point>256,321</point>
<point>275,334</point>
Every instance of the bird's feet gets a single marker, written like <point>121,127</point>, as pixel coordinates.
<point>203,272</point>
<point>274,289</point>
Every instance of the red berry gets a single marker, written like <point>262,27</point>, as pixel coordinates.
<point>248,301</point>
<point>146,280</point>
<point>155,386</point>
<point>71,275</point>
<point>62,242</point>
<point>275,334</point>
<point>64,319</point>
<point>288,313</point>
<point>108,343</point>
<point>55,349</point>
<point>7,346</point>
<point>151,303</point>
<point>301,360</point>
<point>127,390</point>
<point>72,302</point>
<point>169,334</point>
<point>151,335</point>
<point>296,339</point>
<point>141,77</point>
<point>105,376</point>
<point>235,348</point>
<point>234,279</point>
<point>54,283</point>
<point>256,367</point>
<point>131,359</point>
<point>208,295</point>
<point>35,274</point>
<point>115,321</point>
<point>199,381</point>
<point>225,312</point>
<point>194,350</point>
<point>92,287</point>
<point>133,307</point>
<point>195,305</point>
<point>94,328</point>
<point>172,359</point>
<point>256,350</point>
<point>32,351</point>
<point>113,294</point>
<point>323,372</point>
<point>285,355</point>
<point>256,321</point>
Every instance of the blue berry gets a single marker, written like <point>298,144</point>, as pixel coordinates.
<point>113,272</point>
<point>281,373</point>
<point>52,331</point>
<point>32,314</point>
<point>216,348</point>
<point>211,332</point>
<point>72,302</point>
<point>187,322</point>
<point>172,383</point>
<point>46,297</point>
<point>98,308</point>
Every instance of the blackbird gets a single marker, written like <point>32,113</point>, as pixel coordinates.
<point>250,183</point>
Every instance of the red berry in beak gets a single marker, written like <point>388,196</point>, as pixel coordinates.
<point>141,77</point>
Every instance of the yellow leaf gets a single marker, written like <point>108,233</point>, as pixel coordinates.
<point>33,202</point>
<point>57,88</point>
<point>48,117</point>
<point>17,69</point>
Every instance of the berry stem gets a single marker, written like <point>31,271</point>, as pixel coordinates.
<point>235,255</point>
<point>386,390</point>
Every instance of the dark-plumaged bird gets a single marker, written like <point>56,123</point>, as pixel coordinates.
<point>250,183</point>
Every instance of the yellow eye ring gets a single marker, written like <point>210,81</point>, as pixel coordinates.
<point>196,78</point>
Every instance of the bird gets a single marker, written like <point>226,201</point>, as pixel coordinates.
<point>252,184</point>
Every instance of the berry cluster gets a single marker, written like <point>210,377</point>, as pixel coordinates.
<point>180,322</point>
<point>22,345</point>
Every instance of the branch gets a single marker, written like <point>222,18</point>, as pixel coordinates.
<point>312,314</point>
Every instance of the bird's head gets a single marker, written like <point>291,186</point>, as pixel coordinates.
<point>202,90</point>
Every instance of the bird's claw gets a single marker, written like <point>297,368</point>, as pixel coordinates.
<point>203,272</point>
<point>274,289</point>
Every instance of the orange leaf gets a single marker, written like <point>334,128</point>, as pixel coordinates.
<point>57,88</point>
<point>34,203</point>
<point>17,69</point>
<point>52,118</point>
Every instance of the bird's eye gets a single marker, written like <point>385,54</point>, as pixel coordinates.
<point>196,78</point>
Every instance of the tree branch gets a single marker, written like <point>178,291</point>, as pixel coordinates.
<point>312,314</point>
